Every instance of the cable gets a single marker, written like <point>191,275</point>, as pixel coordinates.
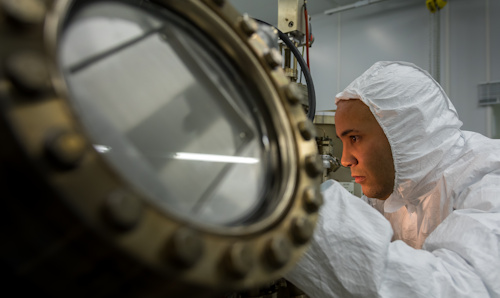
<point>303,66</point>
<point>307,35</point>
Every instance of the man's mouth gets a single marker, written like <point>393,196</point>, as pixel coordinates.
<point>359,179</point>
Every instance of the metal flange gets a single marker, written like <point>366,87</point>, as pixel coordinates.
<point>99,198</point>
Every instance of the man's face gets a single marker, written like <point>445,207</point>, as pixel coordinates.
<point>366,149</point>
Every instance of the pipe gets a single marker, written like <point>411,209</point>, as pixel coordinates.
<point>307,74</point>
<point>351,6</point>
<point>311,93</point>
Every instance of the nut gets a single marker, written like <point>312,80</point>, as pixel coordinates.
<point>27,70</point>
<point>307,130</point>
<point>248,25</point>
<point>122,210</point>
<point>314,165</point>
<point>273,58</point>
<point>293,93</point>
<point>238,260</point>
<point>65,148</point>
<point>25,11</point>
<point>302,230</point>
<point>278,251</point>
<point>313,199</point>
<point>185,248</point>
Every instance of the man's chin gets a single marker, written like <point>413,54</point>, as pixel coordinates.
<point>374,194</point>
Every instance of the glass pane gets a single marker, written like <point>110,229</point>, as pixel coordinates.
<point>168,111</point>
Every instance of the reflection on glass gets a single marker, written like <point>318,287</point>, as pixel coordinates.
<point>153,93</point>
<point>215,158</point>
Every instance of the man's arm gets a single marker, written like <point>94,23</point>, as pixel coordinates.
<point>352,255</point>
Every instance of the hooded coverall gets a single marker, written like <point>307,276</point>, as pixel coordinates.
<point>438,233</point>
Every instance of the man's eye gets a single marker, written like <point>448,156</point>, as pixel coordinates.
<point>354,138</point>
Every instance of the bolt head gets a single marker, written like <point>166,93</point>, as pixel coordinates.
<point>314,165</point>
<point>278,252</point>
<point>248,25</point>
<point>123,210</point>
<point>302,230</point>
<point>307,130</point>
<point>28,71</point>
<point>238,260</point>
<point>65,149</point>
<point>25,11</point>
<point>293,94</point>
<point>185,248</point>
<point>313,199</point>
<point>273,58</point>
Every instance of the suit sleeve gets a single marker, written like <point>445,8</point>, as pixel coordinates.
<point>351,255</point>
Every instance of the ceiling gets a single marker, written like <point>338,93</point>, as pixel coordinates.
<point>267,10</point>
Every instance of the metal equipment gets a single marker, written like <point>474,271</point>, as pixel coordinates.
<point>330,162</point>
<point>294,32</point>
<point>149,148</point>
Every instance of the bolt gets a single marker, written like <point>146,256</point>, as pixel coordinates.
<point>278,251</point>
<point>307,130</point>
<point>122,210</point>
<point>238,260</point>
<point>313,199</point>
<point>28,71</point>
<point>273,58</point>
<point>25,11</point>
<point>290,24</point>
<point>185,248</point>
<point>302,229</point>
<point>293,93</point>
<point>248,25</point>
<point>64,148</point>
<point>314,165</point>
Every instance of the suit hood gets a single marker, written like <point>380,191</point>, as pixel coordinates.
<point>420,122</point>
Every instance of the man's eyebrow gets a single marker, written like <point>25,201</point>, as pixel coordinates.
<point>346,132</point>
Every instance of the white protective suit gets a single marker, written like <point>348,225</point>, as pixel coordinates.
<point>438,234</point>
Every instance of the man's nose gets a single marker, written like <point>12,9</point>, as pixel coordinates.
<point>348,159</point>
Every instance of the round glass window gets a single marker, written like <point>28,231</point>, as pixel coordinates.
<point>169,111</point>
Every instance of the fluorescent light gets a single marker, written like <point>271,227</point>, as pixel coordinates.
<point>102,148</point>
<point>215,158</point>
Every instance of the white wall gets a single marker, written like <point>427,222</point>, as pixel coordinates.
<point>349,42</point>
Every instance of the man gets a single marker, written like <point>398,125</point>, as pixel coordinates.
<point>434,230</point>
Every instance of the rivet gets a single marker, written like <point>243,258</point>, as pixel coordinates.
<point>313,199</point>
<point>314,165</point>
<point>185,248</point>
<point>28,71</point>
<point>238,260</point>
<point>123,210</point>
<point>219,2</point>
<point>293,93</point>
<point>248,25</point>
<point>278,251</point>
<point>25,11</point>
<point>273,58</point>
<point>65,148</point>
<point>307,130</point>
<point>302,230</point>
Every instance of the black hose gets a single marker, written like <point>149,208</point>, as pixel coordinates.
<point>305,70</point>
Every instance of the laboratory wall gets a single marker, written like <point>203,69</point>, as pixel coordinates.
<point>349,42</point>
